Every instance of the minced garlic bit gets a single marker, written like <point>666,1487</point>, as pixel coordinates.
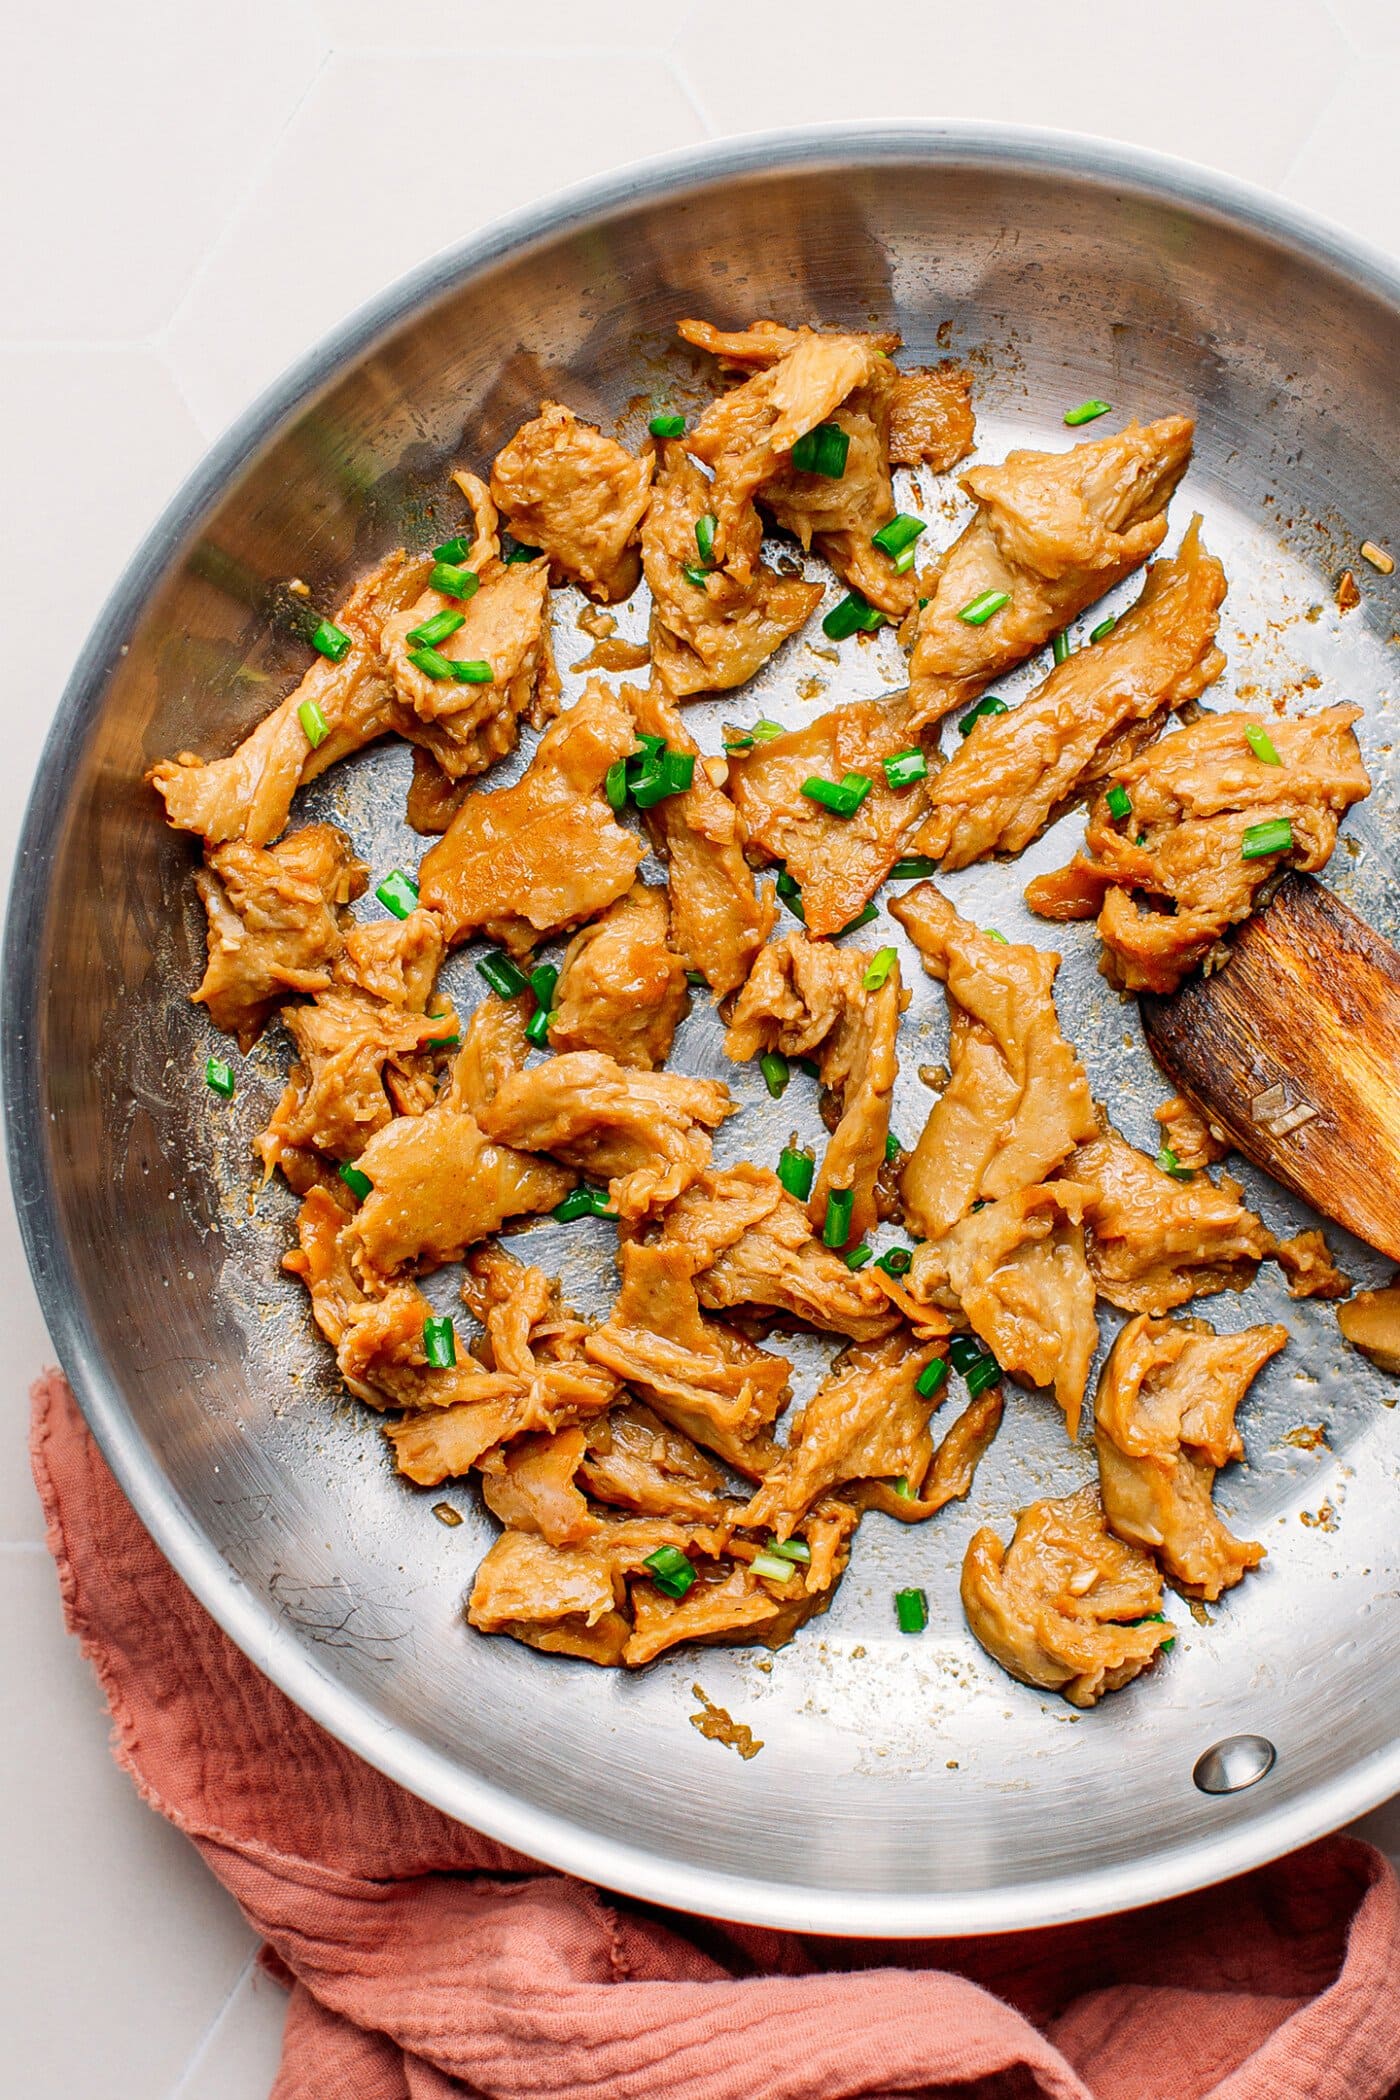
<point>1377,557</point>
<point>446,1514</point>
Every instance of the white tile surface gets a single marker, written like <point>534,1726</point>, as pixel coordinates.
<point>204,190</point>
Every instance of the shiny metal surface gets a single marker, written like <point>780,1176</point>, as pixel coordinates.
<point>904,1785</point>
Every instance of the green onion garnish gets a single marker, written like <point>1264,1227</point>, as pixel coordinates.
<point>431,662</point>
<point>764,731</point>
<point>1087,412</point>
<point>472,672</point>
<point>329,640</point>
<point>705,537</point>
<point>992,934</point>
<point>615,784</point>
<point>1156,1618</point>
<point>440,1342</point>
<point>898,536</point>
<point>791,895</point>
<point>454,550</point>
<point>218,1074</point>
<point>911,1610</point>
<point>903,768</point>
<point>583,1203</point>
<point>879,967</point>
<point>1120,802</point>
<point>893,1148</point>
<point>1104,628</point>
<point>895,1261</point>
<point>853,614</point>
<point>1261,744</point>
<point>842,797</point>
<point>667,426</point>
<point>428,633</point>
<point>1260,840</point>
<point>990,706</point>
<point>505,977</point>
<point>358,1184</point>
<point>931,1377</point>
<point>808,1065</point>
<point>979,610</point>
<point>519,553</point>
<point>858,1257</point>
<point>1170,1164</point>
<point>733,744</point>
<point>697,978</point>
<point>915,867</point>
<point>699,577</point>
<point>789,1549</point>
<point>986,1371</point>
<point>776,1074</point>
<point>313,722</point>
<point>862,918</point>
<point>903,1489</point>
<point>964,1350</point>
<point>453,581</point>
<point>661,774</point>
<point>822,451</point>
<point>796,1171</point>
<point>836,1227</point>
<point>1059,648</point>
<point>542,983</point>
<point>772,1567</point>
<point>398,893</point>
<point>543,979</point>
<point>670,1570</point>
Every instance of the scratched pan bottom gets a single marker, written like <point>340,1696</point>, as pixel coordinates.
<point>903,1785</point>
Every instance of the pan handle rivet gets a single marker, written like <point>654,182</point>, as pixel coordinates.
<point>1234,1763</point>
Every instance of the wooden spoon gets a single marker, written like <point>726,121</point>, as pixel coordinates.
<point>1292,1051</point>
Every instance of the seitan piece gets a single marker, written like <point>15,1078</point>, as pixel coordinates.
<point>1167,881</point>
<point>528,1485</point>
<point>931,421</point>
<point>1065,1606</point>
<point>578,496</point>
<point>622,987</point>
<point>964,1445</point>
<point>636,1461</point>
<point>1154,1240</point>
<point>1015,772</point>
<point>1187,1135</point>
<point>1306,1261</point>
<point>1054,530</point>
<point>1164,1425</point>
<point>277,923</point>
<point>1018,1100</point>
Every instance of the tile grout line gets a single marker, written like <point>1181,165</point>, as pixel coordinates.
<point>206,2040</point>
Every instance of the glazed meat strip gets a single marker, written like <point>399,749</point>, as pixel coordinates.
<point>1164,1425</point>
<point>1016,1272</point>
<point>364,1046</point>
<point>719,918</point>
<point>931,421</point>
<point>838,861</point>
<point>535,859</point>
<point>1016,771</point>
<point>807,999</point>
<point>1155,1240</point>
<point>964,1445</point>
<point>750,1243</point>
<point>277,923</point>
<point>646,1134</point>
<point>249,795</point>
<point>576,495</point>
<point>634,1460</point>
<point>622,987</point>
<point>1209,819</point>
<point>1018,1100</point>
<point>528,1484</point>
<point>1066,1606</point>
<point>1054,531</point>
<point>711,626</point>
<point>700,1376</point>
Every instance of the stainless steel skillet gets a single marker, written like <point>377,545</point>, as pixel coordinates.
<point>905,1786</point>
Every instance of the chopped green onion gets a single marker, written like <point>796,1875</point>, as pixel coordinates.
<point>314,724</point>
<point>697,978</point>
<point>858,1257</point>
<point>774,1067</point>
<point>764,731</point>
<point>663,773</point>
<point>505,977</point>
<point>667,426</point>
<point>808,1065</point>
<point>904,562</point>
<point>1087,412</point>
<point>979,610</point>
<point>842,797</point>
<point>789,1549</point>
<point>519,553</point>
<point>738,743</point>
<point>330,641</point>
<point>428,633</point>
<point>964,1350</point>
<point>986,1371</point>
<point>705,528</point>
<point>615,784</point>
<point>440,1342</point>
<point>853,614</point>
<point>1103,630</point>
<point>863,917</point>
<point>431,662</point>
<point>991,934</point>
<point>442,1042</point>
<point>822,451</point>
<point>899,535</point>
<point>796,1170</point>
<point>218,1074</point>
<point>895,1261</point>
<point>583,1203</point>
<point>358,1184</point>
<point>542,982</point>
<point>453,581</point>
<point>903,768</point>
<point>931,1377</point>
<point>1156,1618</point>
<point>670,1570</point>
<point>398,893</point>
<point>915,867</point>
<point>893,1148</point>
<point>699,577</point>
<point>990,706</point>
<point>1059,648</point>
<point>911,1610</point>
<point>903,1489</point>
<point>772,1567</point>
<point>1170,1164</point>
<point>1120,802</point>
<point>836,1227</point>
<point>1260,840</point>
<point>1261,744</point>
<point>879,967</point>
<point>473,671</point>
<point>543,978</point>
<point>791,895</point>
<point>454,550</point>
